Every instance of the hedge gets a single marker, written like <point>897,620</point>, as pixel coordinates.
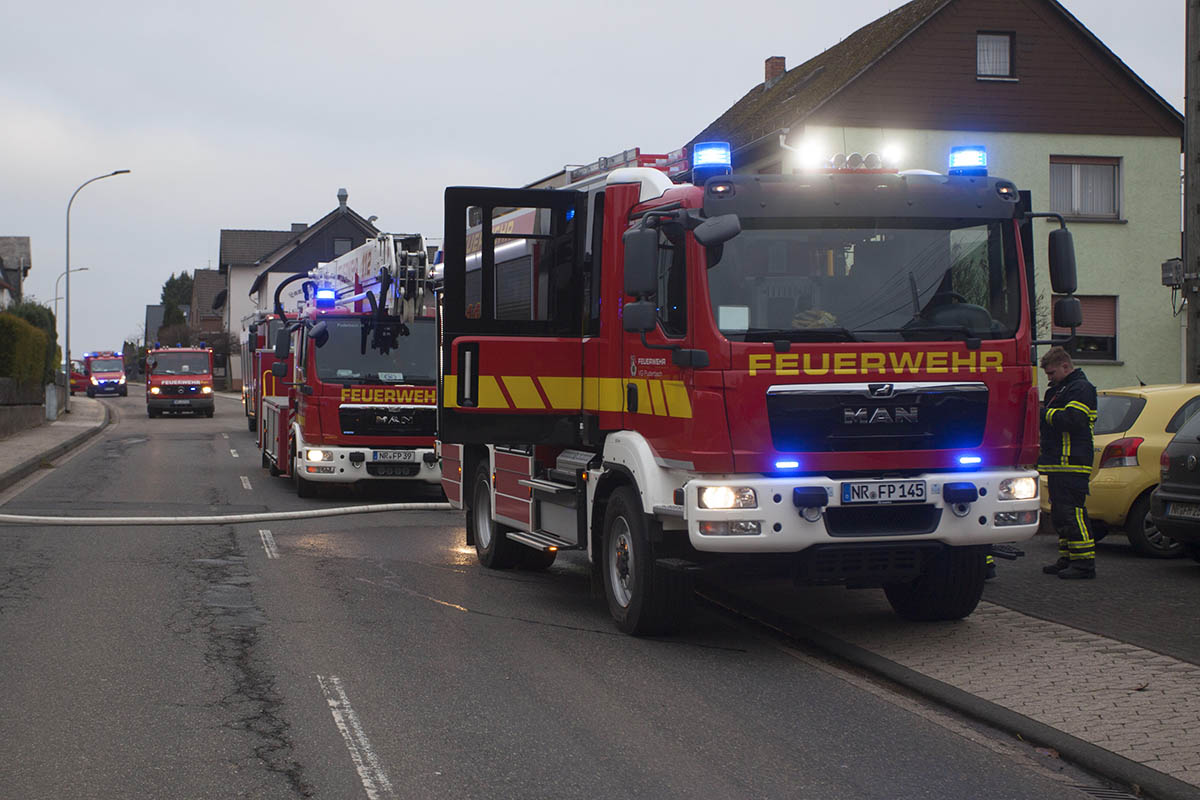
<point>42,318</point>
<point>22,350</point>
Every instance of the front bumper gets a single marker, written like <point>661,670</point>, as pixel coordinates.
<point>168,403</point>
<point>783,528</point>
<point>106,387</point>
<point>354,464</point>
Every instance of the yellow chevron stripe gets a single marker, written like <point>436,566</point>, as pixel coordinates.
<point>523,392</point>
<point>490,395</point>
<point>657,397</point>
<point>678,402</point>
<point>664,398</point>
<point>450,391</point>
<point>563,393</point>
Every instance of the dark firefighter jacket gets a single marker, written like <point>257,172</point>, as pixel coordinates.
<point>1068,417</point>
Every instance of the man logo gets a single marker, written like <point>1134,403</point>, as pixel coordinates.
<point>881,389</point>
<point>880,416</point>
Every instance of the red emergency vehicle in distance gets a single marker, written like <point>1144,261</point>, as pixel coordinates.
<point>105,373</point>
<point>179,379</point>
<point>78,381</point>
<point>825,375</point>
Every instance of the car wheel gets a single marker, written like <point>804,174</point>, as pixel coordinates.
<point>492,547</point>
<point>1145,536</point>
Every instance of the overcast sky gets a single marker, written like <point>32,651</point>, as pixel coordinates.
<point>253,114</point>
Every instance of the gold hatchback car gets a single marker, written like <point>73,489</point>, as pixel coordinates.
<point>1133,427</point>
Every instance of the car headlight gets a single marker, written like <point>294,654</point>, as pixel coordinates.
<point>122,379</point>
<point>155,390</point>
<point>318,455</point>
<point>94,381</point>
<point>728,497</point>
<point>1018,488</point>
<point>205,390</point>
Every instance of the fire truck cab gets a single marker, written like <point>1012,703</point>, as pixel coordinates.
<point>179,379</point>
<point>827,375</point>
<point>104,371</point>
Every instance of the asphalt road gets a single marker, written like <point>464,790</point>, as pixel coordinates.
<point>370,656</point>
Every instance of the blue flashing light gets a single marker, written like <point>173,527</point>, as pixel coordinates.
<point>971,160</point>
<point>570,214</point>
<point>969,461</point>
<point>326,298</point>
<point>787,464</point>
<point>711,154</point>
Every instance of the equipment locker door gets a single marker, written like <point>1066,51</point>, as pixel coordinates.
<point>512,317</point>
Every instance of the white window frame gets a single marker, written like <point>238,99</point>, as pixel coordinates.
<point>1076,162</point>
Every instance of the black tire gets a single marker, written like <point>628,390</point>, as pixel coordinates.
<point>535,560</point>
<point>151,413</point>
<point>124,392</point>
<point>1145,536</point>
<point>643,598</point>
<point>492,547</point>
<point>252,424</point>
<point>90,393</point>
<point>209,413</point>
<point>949,588</point>
<point>304,487</point>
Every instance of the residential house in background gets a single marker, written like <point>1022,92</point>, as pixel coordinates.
<point>1060,115</point>
<point>15,262</point>
<point>154,321</point>
<point>254,262</point>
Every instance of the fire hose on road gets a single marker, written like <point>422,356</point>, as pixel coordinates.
<point>220,519</point>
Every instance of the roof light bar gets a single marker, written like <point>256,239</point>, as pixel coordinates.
<point>969,160</point>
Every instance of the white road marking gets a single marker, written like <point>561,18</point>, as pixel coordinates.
<point>370,771</point>
<point>224,435</point>
<point>245,483</point>
<point>233,452</point>
<point>268,542</point>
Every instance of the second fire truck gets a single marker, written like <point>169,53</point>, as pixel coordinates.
<point>826,374</point>
<point>348,393</point>
<point>179,379</point>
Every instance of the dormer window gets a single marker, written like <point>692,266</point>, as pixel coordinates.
<point>994,56</point>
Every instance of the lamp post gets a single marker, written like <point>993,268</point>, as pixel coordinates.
<point>67,272</point>
<point>58,297</point>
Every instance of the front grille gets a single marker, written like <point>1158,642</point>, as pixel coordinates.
<point>883,520</point>
<point>919,417</point>
<point>388,421</point>
<point>180,390</point>
<point>863,564</point>
<point>393,470</point>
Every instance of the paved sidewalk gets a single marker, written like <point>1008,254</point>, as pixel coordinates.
<point>1125,712</point>
<point>25,452</point>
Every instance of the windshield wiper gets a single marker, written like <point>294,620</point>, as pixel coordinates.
<point>967,334</point>
<point>800,335</point>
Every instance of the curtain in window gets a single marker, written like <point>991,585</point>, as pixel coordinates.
<point>1097,190</point>
<point>1060,189</point>
<point>991,55</point>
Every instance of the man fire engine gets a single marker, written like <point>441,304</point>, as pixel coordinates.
<point>358,344</point>
<point>825,373</point>
<point>105,373</point>
<point>179,379</point>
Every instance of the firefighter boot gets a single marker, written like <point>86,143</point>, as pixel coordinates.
<point>1057,566</point>
<point>1082,571</point>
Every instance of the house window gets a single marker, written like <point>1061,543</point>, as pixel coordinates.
<point>1085,186</point>
<point>1096,338</point>
<point>341,246</point>
<point>993,55</point>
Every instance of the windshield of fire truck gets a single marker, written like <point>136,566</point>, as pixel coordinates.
<point>893,281</point>
<point>107,365</point>
<point>343,358</point>
<point>180,363</point>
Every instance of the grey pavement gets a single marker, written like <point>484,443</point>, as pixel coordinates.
<point>1107,672</point>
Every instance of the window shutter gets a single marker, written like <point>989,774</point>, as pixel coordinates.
<point>1099,316</point>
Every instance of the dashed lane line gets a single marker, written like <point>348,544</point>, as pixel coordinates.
<point>233,452</point>
<point>374,780</point>
<point>245,483</point>
<point>268,543</point>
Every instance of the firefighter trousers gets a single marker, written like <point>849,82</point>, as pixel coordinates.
<point>1069,516</point>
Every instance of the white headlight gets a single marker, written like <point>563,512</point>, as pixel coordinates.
<point>1018,488</point>
<point>155,390</point>
<point>728,497</point>
<point>318,455</point>
<point>205,390</point>
<point>122,379</point>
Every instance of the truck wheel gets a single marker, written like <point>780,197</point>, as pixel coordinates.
<point>151,413</point>
<point>124,391</point>
<point>304,487</point>
<point>536,560</point>
<point>492,547</point>
<point>252,424</point>
<point>949,588</point>
<point>209,413</point>
<point>644,599</point>
<point>90,393</point>
<point>1145,536</point>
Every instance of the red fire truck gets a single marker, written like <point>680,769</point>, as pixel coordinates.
<point>358,341</point>
<point>105,373</point>
<point>826,374</point>
<point>258,336</point>
<point>179,379</point>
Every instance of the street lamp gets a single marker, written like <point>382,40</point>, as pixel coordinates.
<point>67,272</point>
<point>57,296</point>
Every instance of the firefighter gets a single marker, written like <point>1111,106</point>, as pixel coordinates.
<point>1067,418</point>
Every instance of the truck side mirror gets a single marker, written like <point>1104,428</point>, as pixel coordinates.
<point>283,343</point>
<point>1068,313</point>
<point>253,327</point>
<point>279,369</point>
<point>319,333</point>
<point>641,261</point>
<point>1063,279</point>
<point>639,317</point>
<point>718,230</point>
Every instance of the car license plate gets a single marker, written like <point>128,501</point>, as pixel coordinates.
<point>1183,510</point>
<point>883,492</point>
<point>181,402</point>
<point>394,455</point>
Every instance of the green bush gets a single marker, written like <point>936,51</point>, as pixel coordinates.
<point>42,318</point>
<point>22,350</point>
